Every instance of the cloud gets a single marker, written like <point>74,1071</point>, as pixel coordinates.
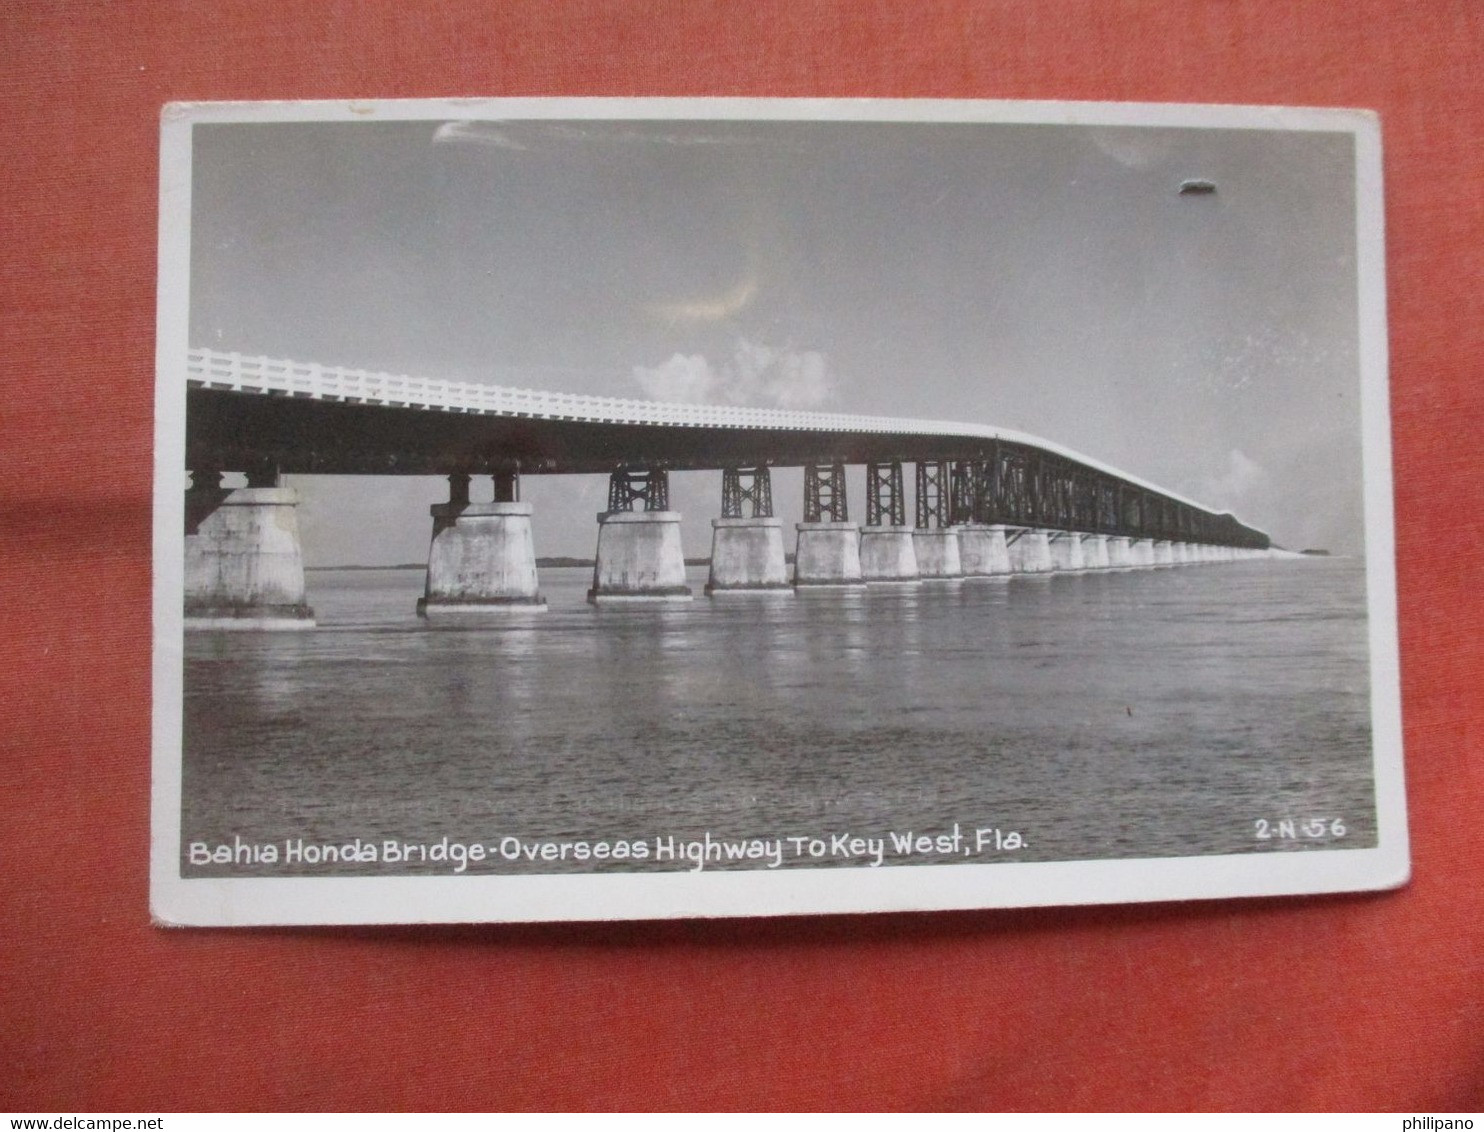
<point>1239,486</point>
<point>685,377</point>
<point>755,374</point>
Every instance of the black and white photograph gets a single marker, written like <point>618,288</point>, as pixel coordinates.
<point>608,509</point>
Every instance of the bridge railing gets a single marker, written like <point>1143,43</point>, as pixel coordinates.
<point>254,374</point>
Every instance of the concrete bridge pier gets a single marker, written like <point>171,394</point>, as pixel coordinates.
<point>1066,551</point>
<point>827,554</point>
<point>1141,551</point>
<point>747,556</point>
<point>828,549</point>
<point>244,565</point>
<point>888,554</point>
<point>982,551</point>
<point>1095,552</point>
<point>1163,552</point>
<point>1030,550</point>
<point>887,547</point>
<point>1120,553</point>
<point>938,554</point>
<point>483,555</point>
<point>639,553</point>
<point>747,550</point>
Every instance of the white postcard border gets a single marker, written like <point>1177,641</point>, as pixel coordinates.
<point>795,891</point>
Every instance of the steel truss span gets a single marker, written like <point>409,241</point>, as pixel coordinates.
<point>255,414</point>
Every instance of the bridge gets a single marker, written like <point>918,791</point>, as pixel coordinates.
<point>988,501</point>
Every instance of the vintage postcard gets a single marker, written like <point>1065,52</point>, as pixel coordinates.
<point>598,509</point>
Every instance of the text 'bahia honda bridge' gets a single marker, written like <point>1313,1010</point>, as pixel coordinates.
<point>988,501</point>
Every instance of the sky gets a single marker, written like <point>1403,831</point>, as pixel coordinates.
<point>1047,278</point>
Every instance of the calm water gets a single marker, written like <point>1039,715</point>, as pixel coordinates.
<point>1125,714</point>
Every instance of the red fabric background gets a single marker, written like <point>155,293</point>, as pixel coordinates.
<point>1367,1001</point>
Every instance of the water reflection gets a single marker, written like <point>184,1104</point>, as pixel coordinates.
<point>1138,713</point>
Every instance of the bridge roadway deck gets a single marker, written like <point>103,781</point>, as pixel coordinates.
<point>248,412</point>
